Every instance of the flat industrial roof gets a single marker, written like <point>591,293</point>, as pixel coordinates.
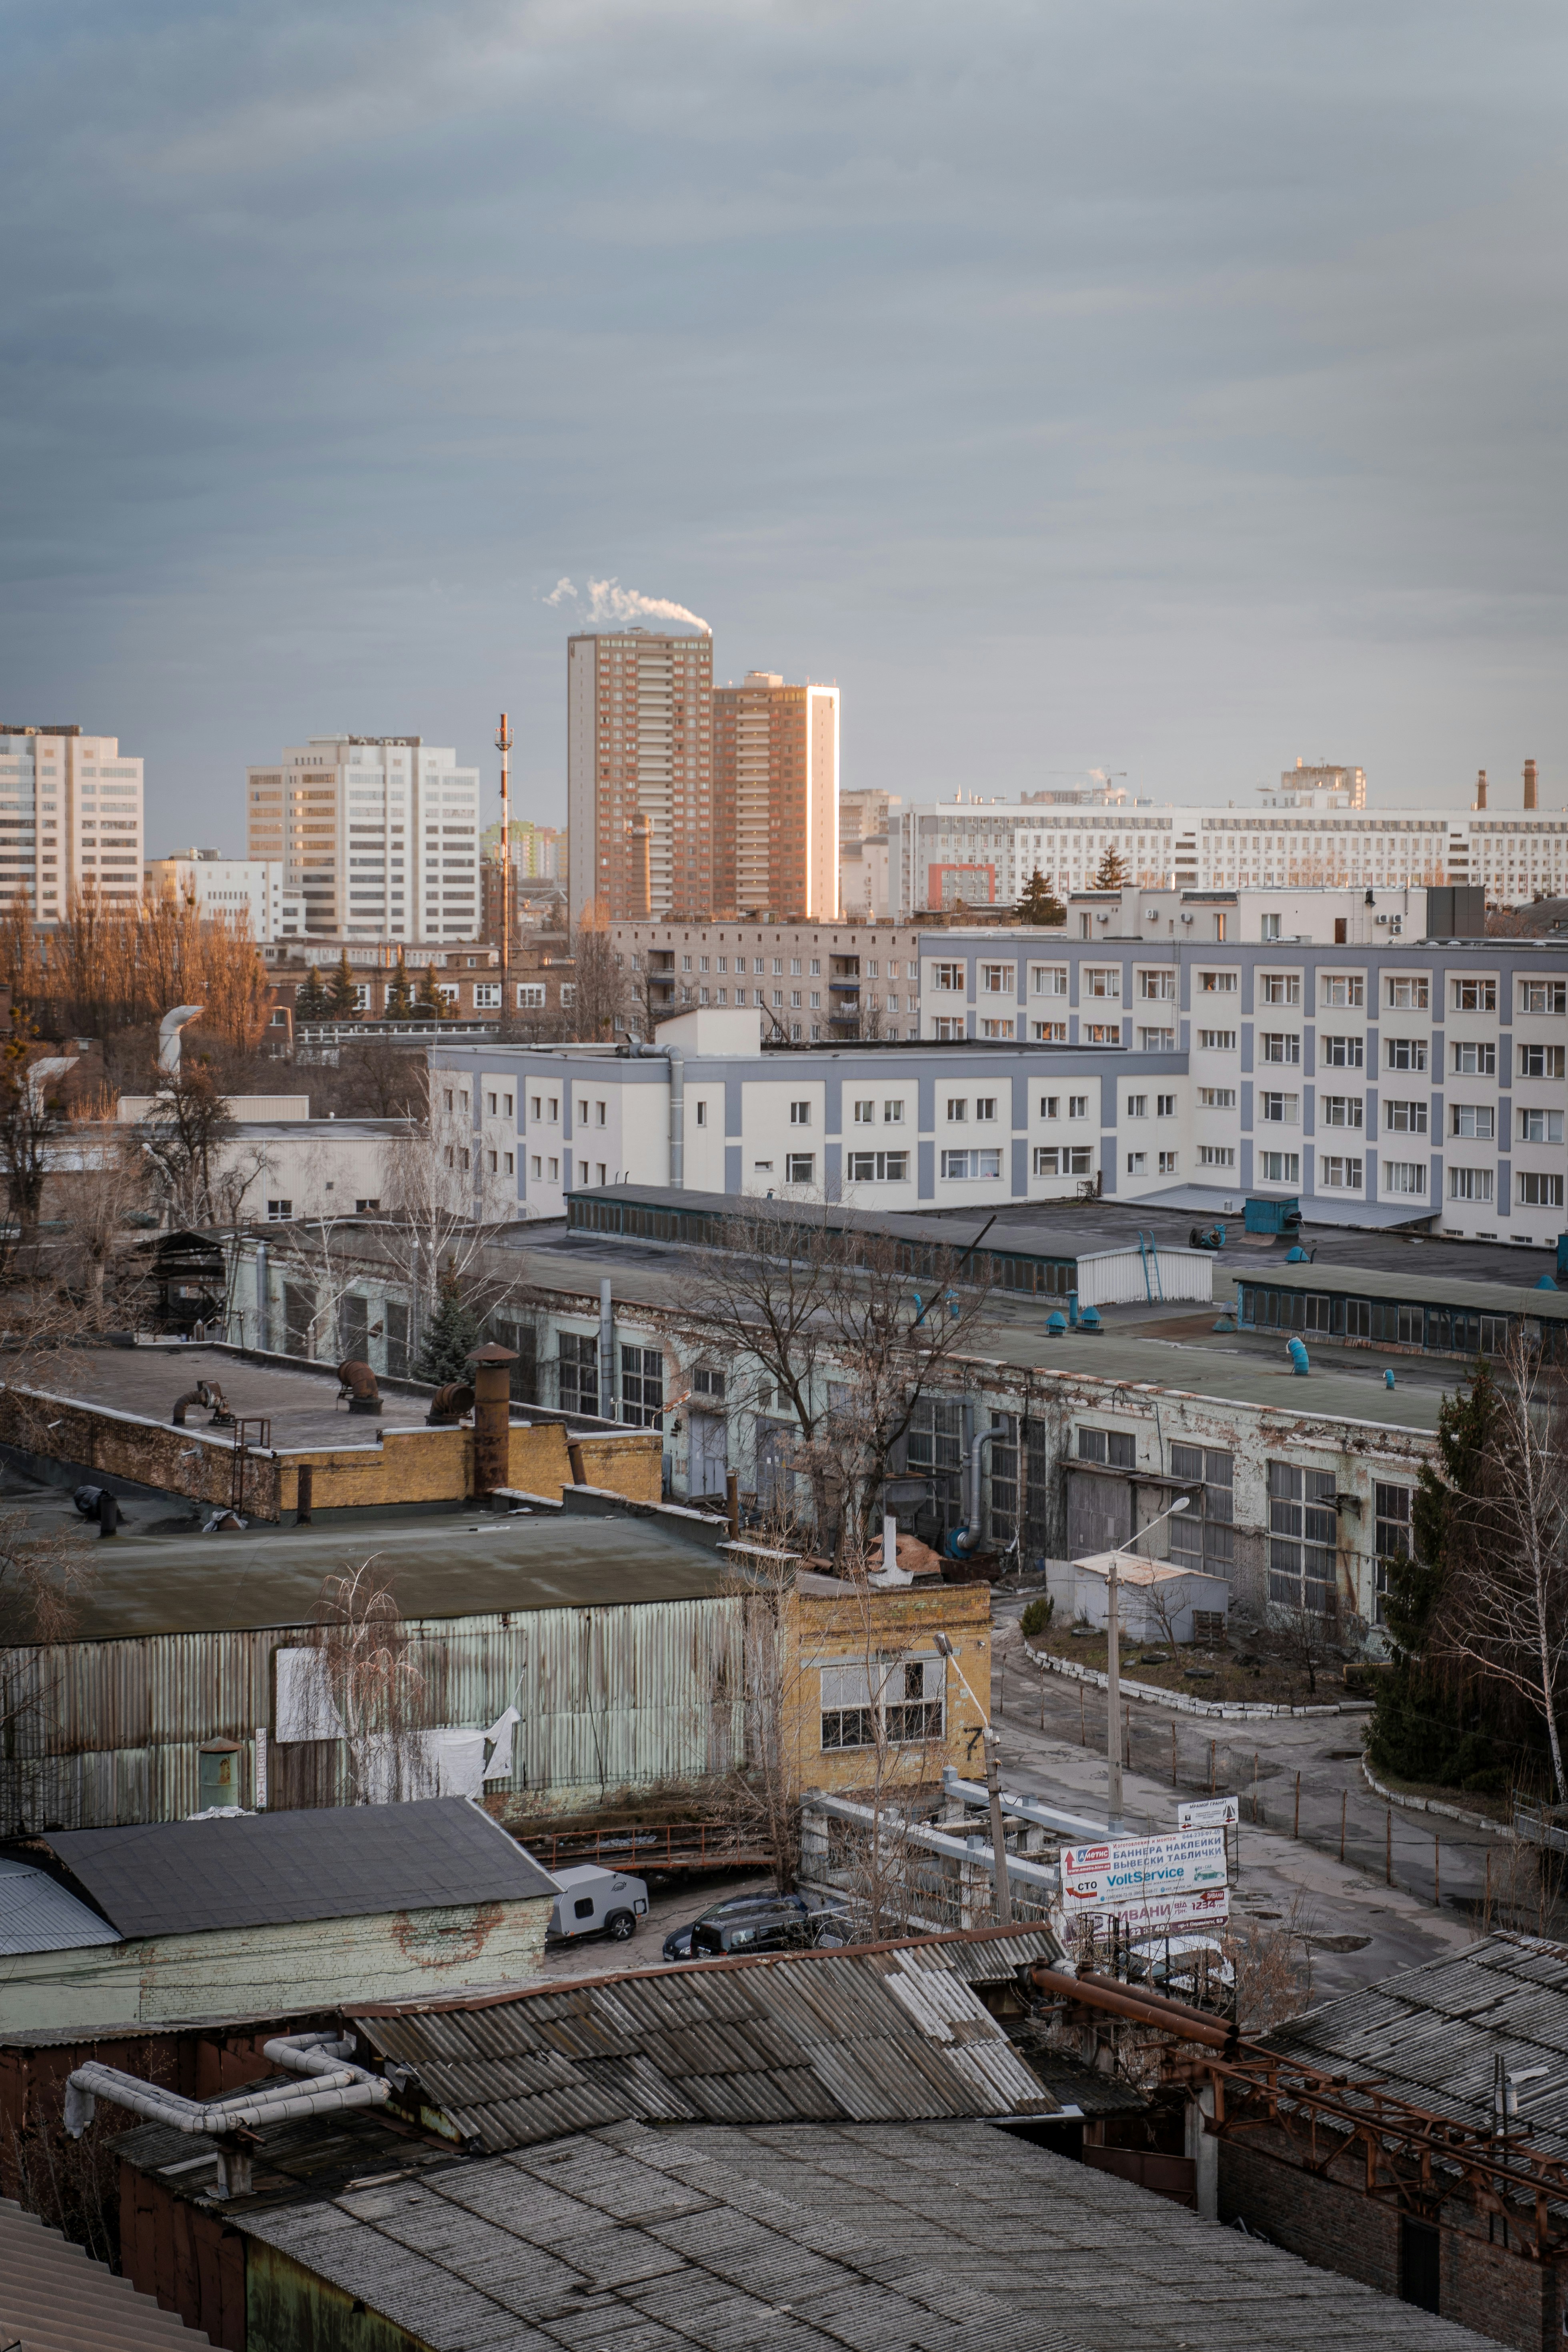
<point>1428,1283</point>
<point>473,1565</point>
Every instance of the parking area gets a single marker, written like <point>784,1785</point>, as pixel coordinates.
<point>672,1902</point>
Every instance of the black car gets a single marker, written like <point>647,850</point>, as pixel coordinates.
<point>782,1924</point>
<point>677,1943</point>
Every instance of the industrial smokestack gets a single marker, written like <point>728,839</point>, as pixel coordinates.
<point>1530,783</point>
<point>1481,788</point>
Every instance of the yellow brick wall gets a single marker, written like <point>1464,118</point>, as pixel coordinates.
<point>389,1467</point>
<point>860,1624</point>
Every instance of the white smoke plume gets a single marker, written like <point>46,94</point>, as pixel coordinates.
<point>606,600</point>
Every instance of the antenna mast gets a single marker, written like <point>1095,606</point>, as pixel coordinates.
<point>503,745</point>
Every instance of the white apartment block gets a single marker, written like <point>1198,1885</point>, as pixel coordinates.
<point>217,885</point>
<point>70,819</point>
<point>985,852</point>
<point>639,747</point>
<point>1400,1082</point>
<point>377,836</point>
<point>1397,1079</point>
<point>809,982</point>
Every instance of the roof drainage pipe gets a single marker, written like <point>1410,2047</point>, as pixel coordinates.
<point>963,1539</point>
<point>677,1119</point>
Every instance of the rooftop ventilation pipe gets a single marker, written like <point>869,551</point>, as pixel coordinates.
<point>335,2085</point>
<point>963,1539</point>
<point>676,1118</point>
<point>1530,783</point>
<point>1480,788</point>
<point>169,1030</point>
<point>492,1418</point>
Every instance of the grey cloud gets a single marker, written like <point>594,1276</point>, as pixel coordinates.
<point>1175,388</point>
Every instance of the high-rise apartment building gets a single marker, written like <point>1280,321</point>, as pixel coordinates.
<point>639,719</point>
<point>378,835</point>
<point>775,799</point>
<point>70,819</point>
<point>538,851</point>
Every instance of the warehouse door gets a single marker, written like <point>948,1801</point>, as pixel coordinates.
<point>1420,2250</point>
<point>298,1314</point>
<point>710,1455</point>
<point>1099,1513</point>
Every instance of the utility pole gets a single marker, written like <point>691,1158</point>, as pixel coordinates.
<point>991,1740</point>
<point>1113,1666</point>
<point>503,745</point>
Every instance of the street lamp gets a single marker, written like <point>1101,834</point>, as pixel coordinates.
<point>993,1787</point>
<point>1113,1666</point>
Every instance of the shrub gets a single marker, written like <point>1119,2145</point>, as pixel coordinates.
<point>1036,1617</point>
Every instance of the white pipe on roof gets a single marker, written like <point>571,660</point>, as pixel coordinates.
<point>334,2084</point>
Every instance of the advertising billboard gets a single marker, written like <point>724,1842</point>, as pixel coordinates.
<point>1153,1882</point>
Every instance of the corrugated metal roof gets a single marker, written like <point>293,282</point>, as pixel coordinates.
<point>878,2034</point>
<point>37,1916</point>
<point>54,2298</point>
<point>341,1862</point>
<point>1430,2035</point>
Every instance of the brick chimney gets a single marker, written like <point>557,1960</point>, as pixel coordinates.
<point>1530,783</point>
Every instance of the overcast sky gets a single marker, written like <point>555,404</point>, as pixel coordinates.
<point>1173,389</point>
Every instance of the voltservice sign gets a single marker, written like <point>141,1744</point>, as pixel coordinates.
<point>1164,1882</point>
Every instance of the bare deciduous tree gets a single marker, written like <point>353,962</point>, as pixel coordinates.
<point>602,999</point>
<point>444,1205</point>
<point>851,1339</point>
<point>104,1186</point>
<point>376,1685</point>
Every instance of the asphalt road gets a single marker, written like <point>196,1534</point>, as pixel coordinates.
<point>1438,1867</point>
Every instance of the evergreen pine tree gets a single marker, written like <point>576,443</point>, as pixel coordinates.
<point>1112,873</point>
<point>342,991</point>
<point>309,1001</point>
<point>1038,904</point>
<point>454,1331</point>
<point>399,994</point>
<point>430,1002</point>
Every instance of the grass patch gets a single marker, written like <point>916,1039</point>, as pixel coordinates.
<point>1218,1674</point>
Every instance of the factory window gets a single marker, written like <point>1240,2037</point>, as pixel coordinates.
<point>1203,1536</point>
<point>280,1211</point>
<point>1117,1448</point>
<point>1541,1061</point>
<point>1303,1534</point>
<point>1393,1533</point>
<point>908,1694</point>
<point>1474,996</point>
<point>800,1168</point>
<point>642,1387</point>
<point>579,1373</point>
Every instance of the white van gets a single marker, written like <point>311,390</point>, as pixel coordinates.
<point>594,1902</point>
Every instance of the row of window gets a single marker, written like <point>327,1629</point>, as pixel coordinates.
<point>1445,1330</point>
<point>1401,993</point>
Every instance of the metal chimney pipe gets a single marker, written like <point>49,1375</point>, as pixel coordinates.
<point>1481,788</point>
<point>492,1418</point>
<point>606,1353</point>
<point>1530,783</point>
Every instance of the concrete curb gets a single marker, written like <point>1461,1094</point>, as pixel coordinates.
<point>1151,1694</point>
<point>1435,1805</point>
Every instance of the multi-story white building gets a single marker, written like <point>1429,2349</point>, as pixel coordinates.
<point>70,819</point>
<point>1394,1081</point>
<point>982,853</point>
<point>377,834</point>
<point>219,886</point>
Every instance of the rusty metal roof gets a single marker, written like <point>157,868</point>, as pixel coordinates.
<point>883,2033</point>
<point>54,2298</point>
